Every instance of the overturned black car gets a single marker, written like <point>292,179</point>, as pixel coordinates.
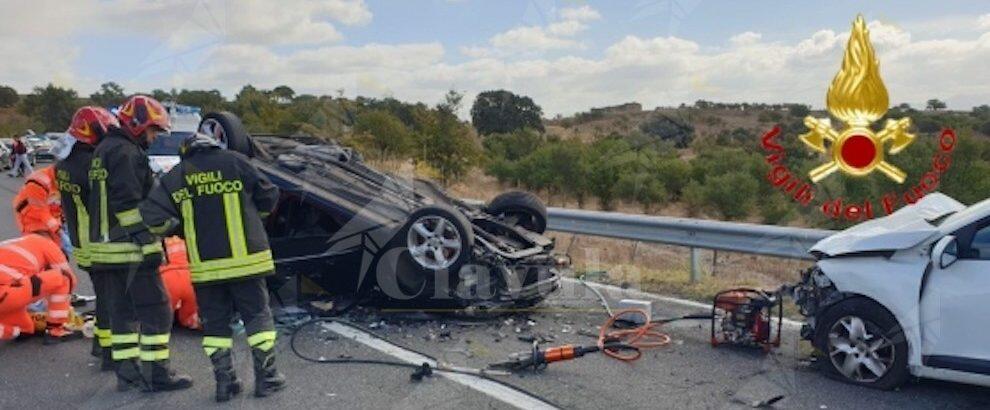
<point>343,227</point>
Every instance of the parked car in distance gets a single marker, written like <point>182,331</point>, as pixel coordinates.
<point>43,144</point>
<point>903,295</point>
<point>5,157</point>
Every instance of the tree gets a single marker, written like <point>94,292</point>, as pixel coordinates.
<point>451,102</point>
<point>982,111</point>
<point>445,144</point>
<point>501,111</point>
<point>935,104</point>
<point>110,94</point>
<point>798,110</point>
<point>8,96</point>
<point>51,106</point>
<point>283,94</point>
<point>382,134</point>
<point>210,100</point>
<point>162,95</point>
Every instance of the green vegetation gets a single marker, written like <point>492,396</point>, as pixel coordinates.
<point>704,160</point>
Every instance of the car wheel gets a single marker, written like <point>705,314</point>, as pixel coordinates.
<point>228,130</point>
<point>435,239</point>
<point>520,209</point>
<point>863,344</point>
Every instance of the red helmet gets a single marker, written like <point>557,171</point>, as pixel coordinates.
<point>89,124</point>
<point>140,112</point>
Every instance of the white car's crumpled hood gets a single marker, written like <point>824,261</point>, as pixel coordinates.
<point>902,229</point>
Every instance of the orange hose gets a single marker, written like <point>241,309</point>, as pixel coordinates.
<point>647,336</point>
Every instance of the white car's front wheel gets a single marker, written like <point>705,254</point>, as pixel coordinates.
<point>862,343</point>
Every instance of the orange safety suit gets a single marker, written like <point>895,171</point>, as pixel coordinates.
<point>178,283</point>
<point>33,267</point>
<point>38,207</point>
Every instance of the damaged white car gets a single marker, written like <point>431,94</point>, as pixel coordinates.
<point>903,295</point>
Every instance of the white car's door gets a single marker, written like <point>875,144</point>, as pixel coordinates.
<point>955,305</point>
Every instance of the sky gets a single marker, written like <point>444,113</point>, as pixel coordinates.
<point>568,55</point>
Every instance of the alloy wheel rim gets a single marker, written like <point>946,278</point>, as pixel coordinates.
<point>214,129</point>
<point>859,350</point>
<point>434,242</point>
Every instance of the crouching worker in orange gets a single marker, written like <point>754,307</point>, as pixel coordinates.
<point>33,267</point>
<point>178,283</point>
<point>38,207</point>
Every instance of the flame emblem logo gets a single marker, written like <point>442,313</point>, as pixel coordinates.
<point>858,97</point>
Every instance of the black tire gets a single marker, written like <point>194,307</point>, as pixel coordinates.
<point>414,279</point>
<point>524,208</point>
<point>231,132</point>
<point>873,315</point>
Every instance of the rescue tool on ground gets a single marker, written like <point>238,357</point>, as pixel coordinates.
<point>743,317</point>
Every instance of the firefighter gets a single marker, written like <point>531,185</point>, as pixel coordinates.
<point>37,206</point>
<point>89,125</point>
<point>216,199</point>
<point>33,267</point>
<point>122,249</point>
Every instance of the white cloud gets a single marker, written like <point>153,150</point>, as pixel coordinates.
<point>529,40</point>
<point>745,39</point>
<point>229,48</point>
<point>583,13</point>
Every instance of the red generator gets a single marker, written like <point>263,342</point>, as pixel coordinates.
<point>742,317</point>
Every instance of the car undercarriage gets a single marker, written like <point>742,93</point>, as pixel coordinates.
<point>343,227</point>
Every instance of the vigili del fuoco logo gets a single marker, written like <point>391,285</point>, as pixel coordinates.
<point>858,98</point>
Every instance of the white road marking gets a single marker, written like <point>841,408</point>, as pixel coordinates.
<point>495,390</point>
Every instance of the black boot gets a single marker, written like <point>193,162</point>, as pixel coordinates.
<point>223,369</point>
<point>161,378</point>
<point>106,360</point>
<point>129,375</point>
<point>267,379</point>
<point>96,350</point>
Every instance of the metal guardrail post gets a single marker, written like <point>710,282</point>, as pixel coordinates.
<point>695,269</point>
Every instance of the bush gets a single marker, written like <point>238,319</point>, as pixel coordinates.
<point>675,175</point>
<point>382,134</point>
<point>643,188</point>
<point>732,195</point>
<point>669,129</point>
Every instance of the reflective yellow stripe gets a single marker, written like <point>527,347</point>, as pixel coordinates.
<point>129,217</point>
<point>227,268</point>
<point>235,225</point>
<point>121,252</point>
<point>189,228</point>
<point>154,355</point>
<point>125,354</point>
<point>104,212</point>
<point>154,340</point>
<point>124,338</point>
<point>82,220</point>
<point>266,336</point>
<point>104,342</point>
<point>210,350</point>
<point>220,342</point>
<point>265,346</point>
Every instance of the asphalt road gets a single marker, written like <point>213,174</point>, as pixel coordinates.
<point>688,373</point>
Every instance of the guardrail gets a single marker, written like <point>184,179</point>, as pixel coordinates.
<point>695,234</point>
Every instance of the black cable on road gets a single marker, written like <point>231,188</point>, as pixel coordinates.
<point>420,370</point>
